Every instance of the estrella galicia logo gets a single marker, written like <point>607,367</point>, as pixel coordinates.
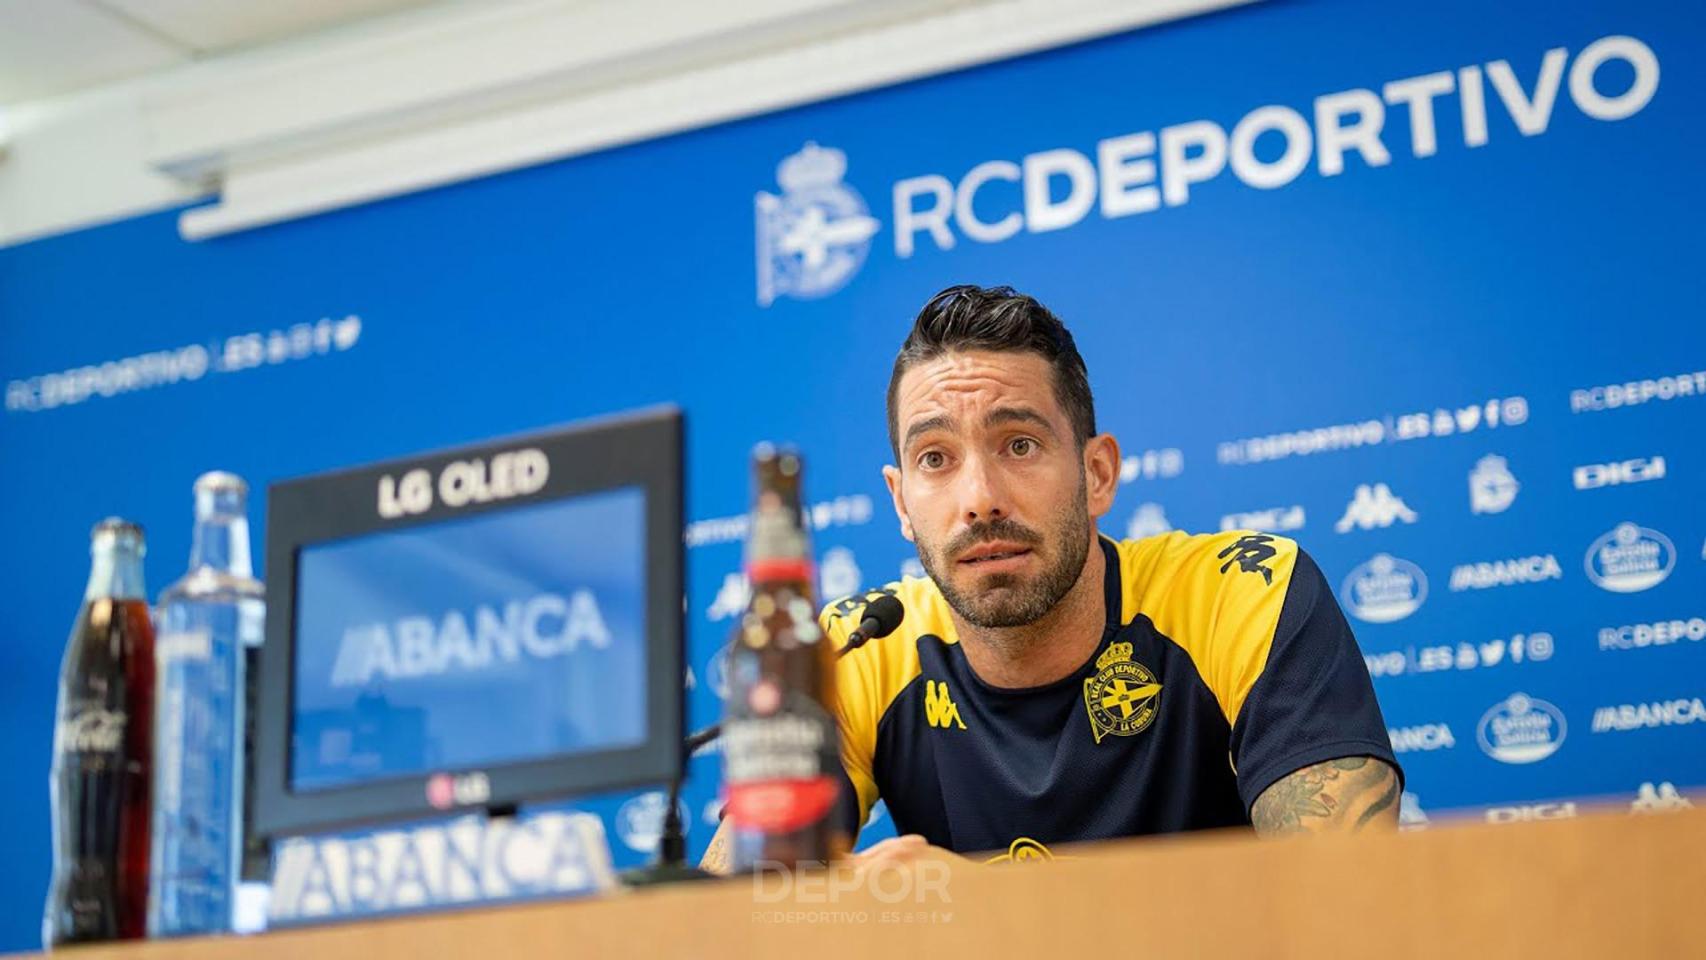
<point>1521,729</point>
<point>1630,559</point>
<point>1250,552</point>
<point>1384,589</point>
<point>815,236</point>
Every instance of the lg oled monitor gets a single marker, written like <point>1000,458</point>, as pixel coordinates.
<point>473,628</point>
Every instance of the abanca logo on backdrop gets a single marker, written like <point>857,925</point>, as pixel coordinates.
<point>815,236</point>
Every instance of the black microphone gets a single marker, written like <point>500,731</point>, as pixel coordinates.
<point>882,617</point>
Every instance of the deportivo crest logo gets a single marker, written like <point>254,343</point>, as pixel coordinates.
<point>1250,552</point>
<point>1123,697</point>
<point>1025,850</point>
<point>815,236</point>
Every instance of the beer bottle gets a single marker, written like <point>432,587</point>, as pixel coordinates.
<point>781,748</point>
<point>102,752</point>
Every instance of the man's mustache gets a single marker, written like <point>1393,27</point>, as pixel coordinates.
<point>987,530</point>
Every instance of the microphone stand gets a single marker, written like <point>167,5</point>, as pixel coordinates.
<point>671,865</point>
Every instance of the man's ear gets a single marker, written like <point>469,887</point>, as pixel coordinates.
<point>1101,473</point>
<point>891,476</point>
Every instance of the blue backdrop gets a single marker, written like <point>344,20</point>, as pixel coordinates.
<point>1391,278</point>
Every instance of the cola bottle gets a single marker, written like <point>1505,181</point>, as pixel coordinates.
<point>102,752</point>
<point>781,747</point>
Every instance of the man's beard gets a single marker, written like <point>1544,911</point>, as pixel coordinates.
<point>1005,599</point>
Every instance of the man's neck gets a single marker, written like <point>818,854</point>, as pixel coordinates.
<point>1052,647</point>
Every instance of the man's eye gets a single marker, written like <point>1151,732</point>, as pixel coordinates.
<point>1022,446</point>
<point>932,459</point>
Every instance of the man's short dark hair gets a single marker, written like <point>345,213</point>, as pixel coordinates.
<point>968,317</point>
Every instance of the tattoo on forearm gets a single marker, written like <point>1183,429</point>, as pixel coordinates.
<point>1346,794</point>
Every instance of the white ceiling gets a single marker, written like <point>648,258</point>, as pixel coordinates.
<point>50,47</point>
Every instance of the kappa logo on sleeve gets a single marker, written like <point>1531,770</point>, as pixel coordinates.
<point>1250,553</point>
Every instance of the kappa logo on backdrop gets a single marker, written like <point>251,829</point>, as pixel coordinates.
<point>731,599</point>
<point>1658,798</point>
<point>1374,506</point>
<point>815,236</point>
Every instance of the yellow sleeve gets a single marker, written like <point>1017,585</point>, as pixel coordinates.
<point>1218,596</point>
<point>856,703</point>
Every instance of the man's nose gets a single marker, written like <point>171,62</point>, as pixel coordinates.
<point>982,492</point>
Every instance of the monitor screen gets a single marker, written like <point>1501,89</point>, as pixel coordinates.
<point>503,637</point>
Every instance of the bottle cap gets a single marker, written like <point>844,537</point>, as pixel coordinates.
<point>117,526</point>
<point>114,531</point>
<point>220,481</point>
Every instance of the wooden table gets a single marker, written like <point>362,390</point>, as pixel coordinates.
<point>1608,885</point>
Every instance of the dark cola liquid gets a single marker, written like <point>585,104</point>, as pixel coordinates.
<point>103,747</point>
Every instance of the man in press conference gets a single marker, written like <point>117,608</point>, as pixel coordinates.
<point>1048,684</point>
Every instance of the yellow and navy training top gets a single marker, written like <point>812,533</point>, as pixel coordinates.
<point>1225,665</point>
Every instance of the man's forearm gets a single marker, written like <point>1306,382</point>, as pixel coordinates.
<point>1337,796</point>
<point>716,858</point>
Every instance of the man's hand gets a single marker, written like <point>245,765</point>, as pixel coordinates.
<point>716,858</point>
<point>894,851</point>
<point>1337,796</point>
<point>897,851</point>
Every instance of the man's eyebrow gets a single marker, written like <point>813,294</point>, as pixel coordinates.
<point>1018,415</point>
<point>938,422</point>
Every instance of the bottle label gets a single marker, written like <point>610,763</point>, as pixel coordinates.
<point>91,730</point>
<point>779,770</point>
<point>189,645</point>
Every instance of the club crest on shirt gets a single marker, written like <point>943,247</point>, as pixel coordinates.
<point>1023,850</point>
<point>1124,695</point>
